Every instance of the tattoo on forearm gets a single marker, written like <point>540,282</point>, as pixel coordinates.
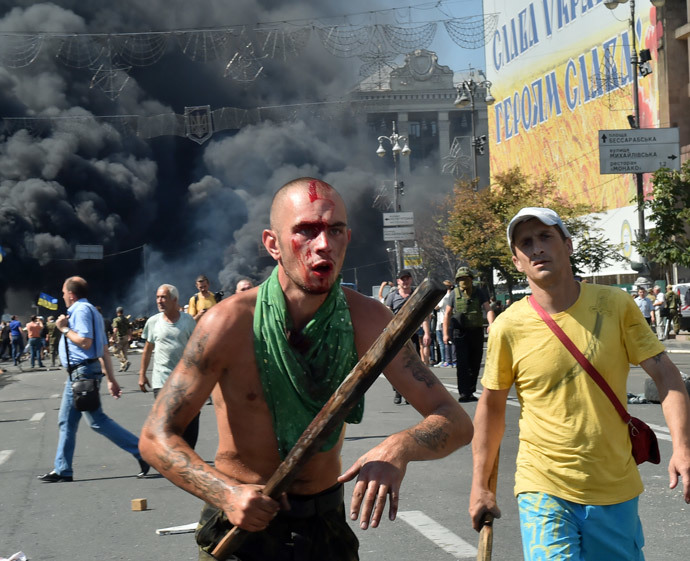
<point>174,457</point>
<point>203,483</point>
<point>193,473</point>
<point>659,357</point>
<point>434,437</point>
<point>414,364</point>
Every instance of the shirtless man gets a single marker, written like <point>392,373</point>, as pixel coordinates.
<point>308,237</point>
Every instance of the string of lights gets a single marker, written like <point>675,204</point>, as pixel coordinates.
<point>110,56</point>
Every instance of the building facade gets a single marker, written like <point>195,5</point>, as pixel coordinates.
<point>561,73</point>
<point>419,98</point>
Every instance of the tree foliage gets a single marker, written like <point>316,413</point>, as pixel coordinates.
<point>431,228</point>
<point>669,242</point>
<point>477,222</point>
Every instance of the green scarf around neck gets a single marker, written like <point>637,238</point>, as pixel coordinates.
<point>299,377</point>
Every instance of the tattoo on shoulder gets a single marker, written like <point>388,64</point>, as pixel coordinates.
<point>434,437</point>
<point>414,364</point>
<point>194,351</point>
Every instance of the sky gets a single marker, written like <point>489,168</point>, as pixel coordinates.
<point>167,209</point>
<point>449,53</point>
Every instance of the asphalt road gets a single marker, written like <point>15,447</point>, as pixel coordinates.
<point>92,518</point>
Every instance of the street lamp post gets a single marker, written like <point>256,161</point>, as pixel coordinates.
<point>395,140</point>
<point>466,94</point>
<point>644,271</point>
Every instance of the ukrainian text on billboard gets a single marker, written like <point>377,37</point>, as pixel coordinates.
<point>561,71</point>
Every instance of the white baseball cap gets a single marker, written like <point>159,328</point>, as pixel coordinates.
<point>544,215</point>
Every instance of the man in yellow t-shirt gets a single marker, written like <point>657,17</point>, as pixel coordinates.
<point>202,300</point>
<point>576,481</point>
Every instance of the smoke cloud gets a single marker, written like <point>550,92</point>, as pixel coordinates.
<point>168,209</point>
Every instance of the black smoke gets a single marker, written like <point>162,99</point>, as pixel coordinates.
<point>167,209</point>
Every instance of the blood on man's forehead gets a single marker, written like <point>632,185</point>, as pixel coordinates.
<point>303,195</point>
<point>318,190</point>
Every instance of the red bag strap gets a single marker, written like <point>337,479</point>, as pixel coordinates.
<point>582,359</point>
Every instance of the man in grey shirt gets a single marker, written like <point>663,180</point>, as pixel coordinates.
<point>167,331</point>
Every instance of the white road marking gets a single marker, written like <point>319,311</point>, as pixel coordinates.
<point>186,529</point>
<point>37,416</point>
<point>510,401</point>
<point>5,455</point>
<point>55,395</point>
<point>440,535</point>
<point>661,432</point>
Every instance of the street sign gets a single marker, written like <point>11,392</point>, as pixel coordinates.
<point>398,218</point>
<point>638,150</point>
<point>398,233</point>
<point>412,258</point>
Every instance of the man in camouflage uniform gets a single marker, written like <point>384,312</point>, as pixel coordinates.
<point>52,339</point>
<point>121,330</point>
<point>463,324</point>
<point>673,307</point>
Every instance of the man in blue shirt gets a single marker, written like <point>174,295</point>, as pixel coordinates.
<point>17,339</point>
<point>644,303</point>
<point>84,353</point>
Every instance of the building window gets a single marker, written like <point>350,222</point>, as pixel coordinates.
<point>424,141</point>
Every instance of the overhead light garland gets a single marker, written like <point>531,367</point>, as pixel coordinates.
<point>110,56</point>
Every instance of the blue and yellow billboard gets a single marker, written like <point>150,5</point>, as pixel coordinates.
<point>561,71</point>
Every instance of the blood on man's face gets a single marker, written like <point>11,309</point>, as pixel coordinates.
<point>313,237</point>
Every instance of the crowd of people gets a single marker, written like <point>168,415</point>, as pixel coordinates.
<point>85,354</point>
<point>36,341</point>
<point>271,355</point>
<point>453,335</point>
<point>661,309</point>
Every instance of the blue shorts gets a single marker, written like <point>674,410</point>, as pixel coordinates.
<point>554,529</point>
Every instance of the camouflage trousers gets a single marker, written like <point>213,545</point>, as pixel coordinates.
<point>121,346</point>
<point>314,529</point>
<point>674,318</point>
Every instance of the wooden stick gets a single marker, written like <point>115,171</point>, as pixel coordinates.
<point>486,534</point>
<point>358,381</point>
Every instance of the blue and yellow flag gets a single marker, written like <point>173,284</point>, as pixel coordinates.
<point>47,301</point>
<point>2,254</point>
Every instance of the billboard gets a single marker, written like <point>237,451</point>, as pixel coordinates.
<point>560,72</point>
<point>619,226</point>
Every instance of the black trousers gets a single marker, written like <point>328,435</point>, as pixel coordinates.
<point>314,529</point>
<point>469,347</point>
<point>5,347</point>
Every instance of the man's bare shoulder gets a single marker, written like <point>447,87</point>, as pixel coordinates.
<point>223,340</point>
<point>366,307</point>
<point>369,318</point>
<point>229,320</point>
